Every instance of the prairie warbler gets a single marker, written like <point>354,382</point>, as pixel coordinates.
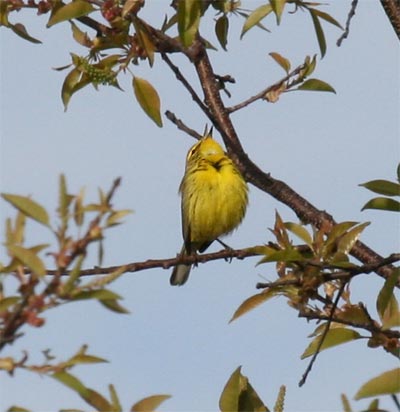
<point>214,200</point>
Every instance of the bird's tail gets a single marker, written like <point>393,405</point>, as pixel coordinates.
<point>180,273</point>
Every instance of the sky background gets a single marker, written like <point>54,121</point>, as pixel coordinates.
<point>177,340</point>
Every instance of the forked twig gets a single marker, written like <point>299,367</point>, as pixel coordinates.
<point>323,336</point>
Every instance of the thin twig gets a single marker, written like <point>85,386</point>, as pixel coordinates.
<point>262,94</point>
<point>344,275</point>
<point>181,126</point>
<point>185,83</point>
<point>351,14</point>
<point>371,326</point>
<point>396,401</point>
<point>323,336</point>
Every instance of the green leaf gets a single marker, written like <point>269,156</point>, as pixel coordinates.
<point>255,17</point>
<point>282,61</point>
<point>77,8</point>
<point>373,406</point>
<point>398,172</point>
<point>334,337</point>
<point>327,17</point>
<point>114,306</point>
<point>101,294</point>
<point>15,235</point>
<point>144,41</point>
<point>310,65</point>
<point>115,217</point>
<point>385,384</point>
<point>79,213</point>
<point>239,395</point>
<point>316,85</point>
<point>20,30</point>
<point>4,10</point>
<point>348,240</point>
<point>28,258</point>
<point>90,396</point>
<point>28,207</point>
<point>71,410</point>
<point>337,231</point>
<point>382,203</point>
<point>189,13</point>
<point>280,401</point>
<point>107,279</point>
<point>252,302</point>
<point>221,30</point>
<point>64,199</point>
<point>286,255</point>
<point>391,316</point>
<point>278,6</point>
<point>69,85</point>
<point>386,292</point>
<point>345,403</point>
<point>318,31</point>
<point>80,36</point>
<point>383,187</point>
<point>73,275</point>
<point>229,400</point>
<point>5,303</point>
<point>148,98</point>
<point>354,314</point>
<point>149,404</point>
<point>85,359</point>
<point>116,405</point>
<point>301,232</point>
<point>18,409</point>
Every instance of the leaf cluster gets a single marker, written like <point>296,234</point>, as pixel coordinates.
<point>34,295</point>
<point>388,189</point>
<point>133,40</point>
<point>315,278</point>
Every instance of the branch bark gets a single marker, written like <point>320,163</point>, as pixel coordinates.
<point>306,212</point>
<point>392,10</point>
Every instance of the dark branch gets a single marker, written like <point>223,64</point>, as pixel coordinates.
<point>351,14</point>
<point>263,93</point>
<point>181,126</point>
<point>166,263</point>
<point>392,10</point>
<point>344,275</point>
<point>323,336</point>
<point>305,211</point>
<point>185,83</point>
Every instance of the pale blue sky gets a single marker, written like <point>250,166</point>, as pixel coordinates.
<point>177,340</point>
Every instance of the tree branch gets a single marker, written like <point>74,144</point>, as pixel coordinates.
<point>351,14</point>
<point>392,10</point>
<point>167,263</point>
<point>305,211</point>
<point>343,275</point>
<point>262,94</point>
<point>181,126</point>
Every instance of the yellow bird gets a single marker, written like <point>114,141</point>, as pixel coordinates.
<point>214,200</point>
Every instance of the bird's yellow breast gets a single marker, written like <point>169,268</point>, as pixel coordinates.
<point>214,200</point>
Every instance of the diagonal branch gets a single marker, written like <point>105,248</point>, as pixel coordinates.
<point>305,211</point>
<point>324,335</point>
<point>392,10</point>
<point>351,14</point>
<point>261,95</point>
